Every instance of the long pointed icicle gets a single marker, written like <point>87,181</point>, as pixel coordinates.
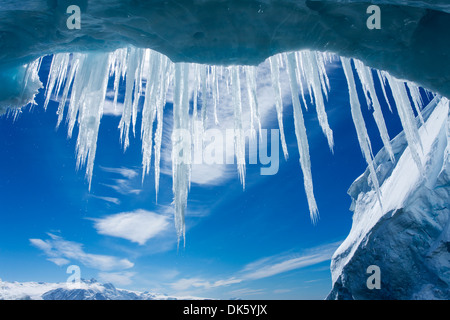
<point>417,99</point>
<point>358,120</point>
<point>215,91</point>
<point>313,78</point>
<point>58,70</point>
<point>180,165</point>
<point>120,66</point>
<point>366,79</point>
<point>203,80</point>
<point>165,79</point>
<point>323,73</point>
<point>407,119</point>
<point>69,80</point>
<point>275,71</point>
<point>383,85</point>
<point>253,100</point>
<point>300,76</point>
<point>133,70</point>
<point>91,110</point>
<point>302,139</point>
<point>77,92</point>
<point>149,112</point>
<point>239,137</point>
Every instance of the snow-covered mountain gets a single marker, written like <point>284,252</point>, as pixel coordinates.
<point>408,236</point>
<point>86,290</point>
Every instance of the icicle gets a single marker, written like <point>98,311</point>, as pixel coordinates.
<point>31,77</point>
<point>302,140</point>
<point>180,167</point>
<point>73,69</point>
<point>416,98</point>
<point>149,112</point>
<point>323,73</point>
<point>278,101</point>
<point>312,74</point>
<point>239,137</point>
<point>120,65</point>
<point>383,84</point>
<point>365,76</point>
<point>62,72</point>
<point>252,78</point>
<point>300,76</point>
<point>56,75</point>
<point>76,95</point>
<point>360,126</point>
<point>134,61</point>
<point>215,92</point>
<point>164,79</point>
<point>203,80</point>
<point>253,100</point>
<point>407,119</point>
<point>91,110</point>
<point>137,88</point>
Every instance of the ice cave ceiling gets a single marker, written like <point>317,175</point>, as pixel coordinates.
<point>413,42</point>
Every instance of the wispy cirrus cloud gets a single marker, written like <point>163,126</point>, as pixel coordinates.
<point>138,226</point>
<point>124,180</point>
<point>61,252</point>
<point>107,199</point>
<point>263,268</point>
<point>124,172</point>
<point>246,292</point>
<point>121,278</point>
<point>274,265</point>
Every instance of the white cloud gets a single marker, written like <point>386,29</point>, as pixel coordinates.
<point>246,292</point>
<point>124,182</point>
<point>274,265</point>
<point>279,291</point>
<point>124,172</point>
<point>263,268</point>
<point>108,199</point>
<point>117,278</point>
<point>138,226</point>
<point>186,283</point>
<point>109,109</point>
<point>59,261</point>
<point>60,252</point>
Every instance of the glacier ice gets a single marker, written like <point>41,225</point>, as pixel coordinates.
<point>408,238</point>
<point>152,77</point>
<point>216,32</point>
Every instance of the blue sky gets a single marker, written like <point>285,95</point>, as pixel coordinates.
<point>257,243</point>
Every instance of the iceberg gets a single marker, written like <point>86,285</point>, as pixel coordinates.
<point>408,237</point>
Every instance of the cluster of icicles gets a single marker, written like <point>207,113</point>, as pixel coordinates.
<point>149,74</point>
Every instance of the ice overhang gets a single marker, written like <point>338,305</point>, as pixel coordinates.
<point>413,42</point>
